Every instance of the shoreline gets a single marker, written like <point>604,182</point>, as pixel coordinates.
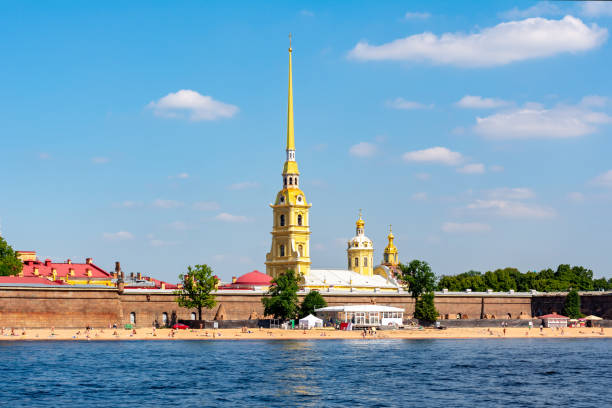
<point>313,334</point>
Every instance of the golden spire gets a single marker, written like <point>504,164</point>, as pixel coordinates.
<point>390,236</point>
<point>290,136</point>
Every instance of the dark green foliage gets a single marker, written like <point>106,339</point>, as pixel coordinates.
<point>418,277</point>
<point>313,300</point>
<point>198,286</point>
<point>424,308</point>
<point>547,280</point>
<point>9,263</point>
<point>281,301</point>
<point>571,308</point>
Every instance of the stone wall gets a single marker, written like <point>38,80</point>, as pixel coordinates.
<point>591,303</point>
<point>79,307</point>
<point>58,307</point>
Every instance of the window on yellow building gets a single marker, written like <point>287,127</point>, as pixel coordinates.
<point>300,219</point>
<point>356,261</point>
<point>282,250</point>
<point>282,220</point>
<point>365,261</point>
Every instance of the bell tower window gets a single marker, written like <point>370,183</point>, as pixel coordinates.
<point>282,220</point>
<point>282,250</point>
<point>300,219</point>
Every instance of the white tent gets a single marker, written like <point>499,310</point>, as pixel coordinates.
<point>310,321</point>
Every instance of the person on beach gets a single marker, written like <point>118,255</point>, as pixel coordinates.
<point>541,328</point>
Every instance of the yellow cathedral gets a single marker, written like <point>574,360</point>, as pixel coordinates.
<point>290,247</point>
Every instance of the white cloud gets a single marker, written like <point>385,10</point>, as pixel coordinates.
<point>118,236</point>
<point>180,226</point>
<point>499,45</point>
<point>422,196</point>
<point>604,179</point>
<point>100,160</point>
<point>206,206</point>
<point>159,203</point>
<point>473,168</point>
<point>496,168</point>
<point>196,106</point>
<point>226,217</point>
<point>478,102</point>
<point>423,176</point>
<point>575,197</point>
<point>542,8</point>
<point>594,100</point>
<point>512,209</point>
<point>438,154</point>
<point>161,243</point>
<point>596,8</point>
<point>128,204</point>
<point>461,227</point>
<point>243,185</point>
<point>415,15</point>
<point>363,149</point>
<point>535,122</point>
<point>507,193</point>
<point>401,103</point>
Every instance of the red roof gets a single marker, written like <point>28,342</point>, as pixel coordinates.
<point>28,280</point>
<point>63,269</point>
<point>553,316</point>
<point>254,278</point>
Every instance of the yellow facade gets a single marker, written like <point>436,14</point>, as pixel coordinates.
<point>360,251</point>
<point>290,228</point>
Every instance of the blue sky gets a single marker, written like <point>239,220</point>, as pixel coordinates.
<point>153,134</point>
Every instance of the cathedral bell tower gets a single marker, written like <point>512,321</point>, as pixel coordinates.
<point>290,226</point>
<point>360,251</point>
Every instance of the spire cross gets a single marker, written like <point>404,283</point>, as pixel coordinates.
<point>290,42</point>
<point>390,227</point>
<point>360,213</point>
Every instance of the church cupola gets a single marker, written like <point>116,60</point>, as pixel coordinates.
<point>360,250</point>
<point>390,255</point>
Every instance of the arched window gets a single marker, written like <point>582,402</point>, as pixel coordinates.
<point>300,250</point>
<point>285,180</point>
<point>282,220</point>
<point>365,261</point>
<point>290,180</point>
<point>132,318</point>
<point>299,219</point>
<point>165,319</point>
<point>386,257</point>
<point>356,261</point>
<point>282,250</point>
<point>193,316</point>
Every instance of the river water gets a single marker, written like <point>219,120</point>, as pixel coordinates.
<point>315,373</point>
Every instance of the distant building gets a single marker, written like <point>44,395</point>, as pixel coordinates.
<point>66,272</point>
<point>250,281</point>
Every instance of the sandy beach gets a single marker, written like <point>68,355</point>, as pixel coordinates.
<point>313,334</point>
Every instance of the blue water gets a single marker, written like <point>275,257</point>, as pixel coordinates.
<point>323,373</point>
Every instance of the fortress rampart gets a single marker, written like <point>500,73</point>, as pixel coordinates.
<point>73,307</point>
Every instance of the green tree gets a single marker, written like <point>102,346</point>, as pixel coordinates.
<point>425,309</point>
<point>199,283</point>
<point>281,301</point>
<point>571,308</point>
<point>419,278</point>
<point>313,300</point>
<point>9,263</point>
<point>601,284</point>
